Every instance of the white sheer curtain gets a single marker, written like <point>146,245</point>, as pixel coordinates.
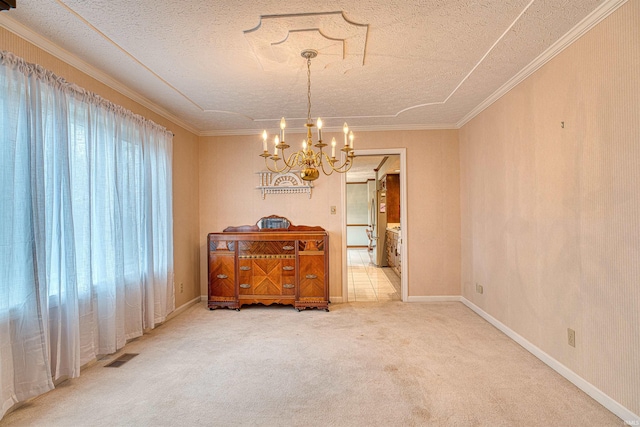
<point>86,247</point>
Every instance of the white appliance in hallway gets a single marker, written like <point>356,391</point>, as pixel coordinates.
<point>378,222</point>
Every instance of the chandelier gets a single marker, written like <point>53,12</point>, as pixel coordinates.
<point>309,161</point>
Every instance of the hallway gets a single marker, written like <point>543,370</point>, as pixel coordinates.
<point>368,282</point>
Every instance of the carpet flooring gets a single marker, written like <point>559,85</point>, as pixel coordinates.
<point>361,364</point>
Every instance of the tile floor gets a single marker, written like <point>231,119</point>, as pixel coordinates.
<point>368,282</point>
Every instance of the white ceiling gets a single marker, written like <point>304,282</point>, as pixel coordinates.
<point>234,67</point>
<point>365,167</point>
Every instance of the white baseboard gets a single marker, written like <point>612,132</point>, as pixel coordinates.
<point>625,414</point>
<point>435,298</point>
<point>178,311</point>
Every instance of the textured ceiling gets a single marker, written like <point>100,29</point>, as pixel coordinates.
<point>225,67</point>
<point>365,167</point>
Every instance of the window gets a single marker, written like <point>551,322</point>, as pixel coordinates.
<point>86,250</point>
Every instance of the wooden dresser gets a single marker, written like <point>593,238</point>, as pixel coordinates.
<point>272,262</point>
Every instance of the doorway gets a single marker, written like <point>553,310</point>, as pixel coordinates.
<point>375,227</point>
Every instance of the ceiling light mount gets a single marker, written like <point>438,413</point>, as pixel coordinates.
<point>309,53</point>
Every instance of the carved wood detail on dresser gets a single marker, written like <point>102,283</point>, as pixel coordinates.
<point>261,264</point>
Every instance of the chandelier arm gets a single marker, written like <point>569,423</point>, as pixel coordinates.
<point>288,164</point>
<point>314,160</point>
<point>328,161</point>
<point>275,165</point>
<point>347,162</point>
<point>291,161</point>
<point>349,167</point>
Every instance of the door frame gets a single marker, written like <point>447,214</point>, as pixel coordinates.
<point>404,282</point>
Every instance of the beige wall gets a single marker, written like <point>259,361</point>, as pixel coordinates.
<point>185,160</point>
<point>551,215</point>
<point>228,196</point>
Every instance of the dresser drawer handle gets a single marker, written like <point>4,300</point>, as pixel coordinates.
<point>311,276</point>
<point>288,268</point>
<point>287,248</point>
<point>288,286</point>
<point>222,276</point>
<point>245,268</point>
<point>245,285</point>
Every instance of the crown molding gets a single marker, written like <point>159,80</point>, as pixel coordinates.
<point>601,12</point>
<point>380,128</point>
<point>67,57</point>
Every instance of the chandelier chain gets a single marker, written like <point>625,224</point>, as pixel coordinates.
<point>308,90</point>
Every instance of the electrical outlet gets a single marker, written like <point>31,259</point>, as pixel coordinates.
<point>479,289</point>
<point>333,210</point>
<point>571,336</point>
<point>181,287</point>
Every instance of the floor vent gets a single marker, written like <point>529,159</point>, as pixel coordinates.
<point>121,360</point>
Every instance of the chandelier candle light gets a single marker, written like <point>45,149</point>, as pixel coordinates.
<point>308,160</point>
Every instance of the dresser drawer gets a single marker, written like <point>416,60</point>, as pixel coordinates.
<point>312,280</point>
<point>266,247</point>
<point>222,275</point>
